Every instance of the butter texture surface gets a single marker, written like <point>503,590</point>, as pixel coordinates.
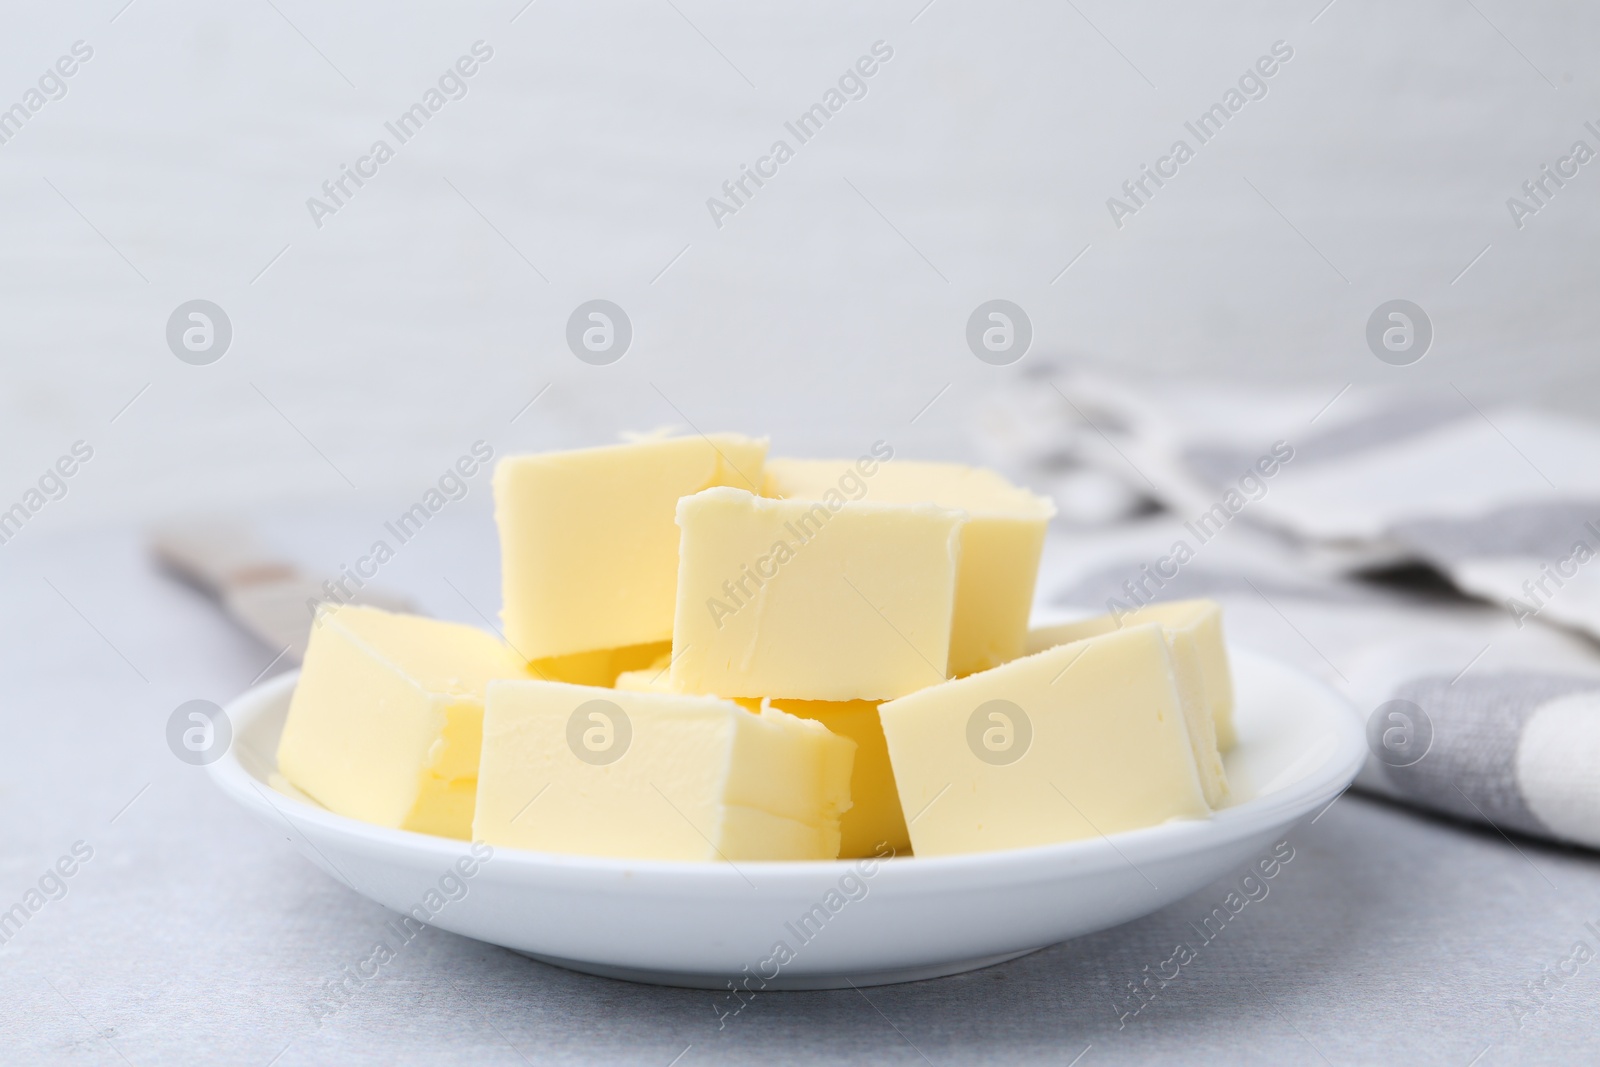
<point>600,667</point>
<point>874,817</point>
<point>1073,742</point>
<point>588,545</point>
<point>386,721</point>
<point>812,601</point>
<point>1001,542</point>
<point>652,775</point>
<point>1195,628</point>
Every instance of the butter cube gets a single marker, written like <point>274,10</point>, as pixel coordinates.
<point>588,549</point>
<point>658,679</point>
<point>1000,543</point>
<point>600,667</point>
<point>386,722</point>
<point>650,775</point>
<point>1195,627</point>
<point>874,817</point>
<point>812,600</point>
<point>1074,742</point>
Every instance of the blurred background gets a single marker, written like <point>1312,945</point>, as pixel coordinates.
<point>831,307</point>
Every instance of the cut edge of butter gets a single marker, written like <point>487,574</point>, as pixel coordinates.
<point>588,548</point>
<point>1194,630</point>
<point>1105,748</point>
<point>701,779</point>
<point>1002,540</point>
<point>799,566</point>
<point>374,738</point>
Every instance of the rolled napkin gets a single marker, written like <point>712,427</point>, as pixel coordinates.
<point>1472,657</point>
<point>1505,502</point>
<point>1515,750</point>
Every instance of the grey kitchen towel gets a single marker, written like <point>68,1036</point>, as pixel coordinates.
<point>1513,749</point>
<point>1472,655</point>
<point>1505,501</point>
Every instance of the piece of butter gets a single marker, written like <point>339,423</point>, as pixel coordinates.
<point>874,818</point>
<point>588,548</point>
<point>812,600</point>
<point>1000,543</point>
<point>600,667</point>
<point>1074,742</point>
<point>386,721</point>
<point>659,680</point>
<point>1199,644</point>
<point>651,775</point>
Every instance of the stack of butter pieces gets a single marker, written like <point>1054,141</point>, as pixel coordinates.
<point>713,655</point>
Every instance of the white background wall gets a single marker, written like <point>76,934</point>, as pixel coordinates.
<point>406,327</point>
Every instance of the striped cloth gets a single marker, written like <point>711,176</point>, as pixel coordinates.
<point>1434,557</point>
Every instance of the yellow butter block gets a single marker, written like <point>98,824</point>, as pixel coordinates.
<point>646,680</point>
<point>1074,742</point>
<point>651,775</point>
<point>588,548</point>
<point>1000,543</point>
<point>600,667</point>
<point>386,722</point>
<point>1196,629</point>
<point>874,818</point>
<point>816,601</point>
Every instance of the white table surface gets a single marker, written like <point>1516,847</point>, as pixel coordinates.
<point>195,935</point>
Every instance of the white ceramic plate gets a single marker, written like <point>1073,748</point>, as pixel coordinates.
<point>843,922</point>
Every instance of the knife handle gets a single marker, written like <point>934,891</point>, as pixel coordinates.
<point>217,556</point>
